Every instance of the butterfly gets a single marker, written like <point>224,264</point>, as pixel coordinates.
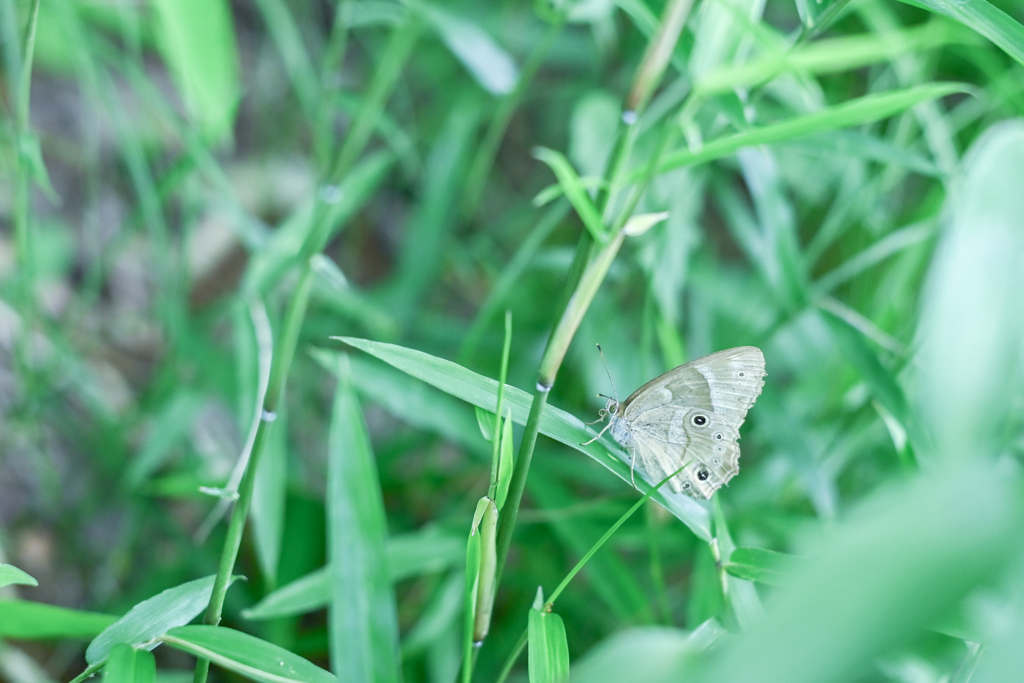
<point>689,418</point>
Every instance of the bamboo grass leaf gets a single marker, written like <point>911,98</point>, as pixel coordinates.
<point>482,392</point>
<point>27,620</point>
<point>197,40</point>
<point>127,664</point>
<point>246,655</point>
<point>419,553</point>
<point>150,618</point>
<point>548,648</point>
<point>983,17</point>
<point>364,624</point>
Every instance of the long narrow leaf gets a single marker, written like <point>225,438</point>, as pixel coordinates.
<point>246,655</point>
<point>985,18</point>
<point>364,625</point>
<point>559,425</point>
<point>856,112</point>
<point>150,618</point>
<point>130,665</point>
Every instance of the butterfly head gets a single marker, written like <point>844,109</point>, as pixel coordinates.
<point>611,407</point>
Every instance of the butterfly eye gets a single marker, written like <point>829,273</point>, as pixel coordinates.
<point>699,420</point>
<point>703,475</point>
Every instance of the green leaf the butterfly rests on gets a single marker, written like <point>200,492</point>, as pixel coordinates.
<point>690,415</point>
<point>558,424</point>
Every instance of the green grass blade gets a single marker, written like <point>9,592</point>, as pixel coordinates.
<point>905,558</point>
<point>9,574</point>
<point>246,655</point>
<point>505,461</point>
<point>482,392</point>
<point>291,45</point>
<point>491,66</point>
<point>419,553</point>
<point>364,626</point>
<point>129,665</point>
<point>548,649</point>
<point>150,618</point>
<point>419,405</point>
<point>972,322</point>
<point>197,39</point>
<point>285,247</point>
<point>25,620</point>
<point>985,18</point>
<point>570,183</point>
<point>762,566</point>
<point>648,653</point>
<point>429,231</point>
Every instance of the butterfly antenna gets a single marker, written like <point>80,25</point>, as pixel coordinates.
<point>610,380</point>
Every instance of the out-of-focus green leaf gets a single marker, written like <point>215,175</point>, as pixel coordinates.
<point>197,39</point>
<point>760,565</point>
<point>826,56</point>
<point>24,620</point>
<point>491,66</point>
<point>428,551</point>
<point>970,362</point>
<point>983,17</point>
<point>853,112</point>
<point>644,653</point>
<point>170,425</point>
<point>905,558</point>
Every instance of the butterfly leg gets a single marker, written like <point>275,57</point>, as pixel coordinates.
<point>599,434</point>
<point>632,463</point>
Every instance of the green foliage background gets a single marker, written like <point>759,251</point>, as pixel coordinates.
<point>197,196</point>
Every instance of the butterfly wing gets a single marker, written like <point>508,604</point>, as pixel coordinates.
<point>692,415</point>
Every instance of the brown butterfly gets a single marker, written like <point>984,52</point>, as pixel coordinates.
<point>690,417</point>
